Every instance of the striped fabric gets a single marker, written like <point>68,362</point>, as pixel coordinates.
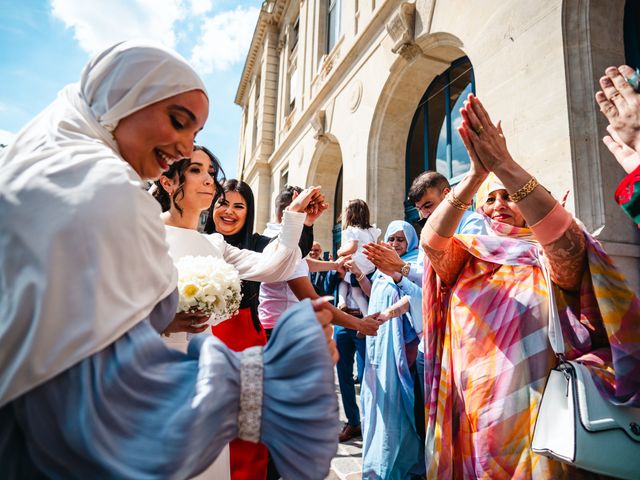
<point>628,195</point>
<point>487,355</point>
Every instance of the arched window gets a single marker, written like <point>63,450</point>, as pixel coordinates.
<point>434,143</point>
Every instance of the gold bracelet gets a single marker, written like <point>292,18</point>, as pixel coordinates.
<point>360,277</point>
<point>456,202</point>
<point>525,190</point>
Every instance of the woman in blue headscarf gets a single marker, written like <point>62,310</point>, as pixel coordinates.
<point>392,448</point>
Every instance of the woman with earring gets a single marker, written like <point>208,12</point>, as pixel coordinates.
<point>486,297</point>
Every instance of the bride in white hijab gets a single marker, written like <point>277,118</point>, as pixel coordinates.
<point>87,387</point>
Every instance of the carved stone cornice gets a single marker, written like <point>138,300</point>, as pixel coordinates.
<point>401,29</point>
<point>318,122</point>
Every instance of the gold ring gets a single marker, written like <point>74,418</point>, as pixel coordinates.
<point>614,95</point>
<point>479,130</point>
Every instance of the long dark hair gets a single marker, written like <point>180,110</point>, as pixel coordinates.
<point>357,214</point>
<point>242,239</point>
<point>177,169</point>
<point>245,239</point>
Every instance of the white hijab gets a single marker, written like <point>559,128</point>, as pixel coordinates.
<point>83,256</point>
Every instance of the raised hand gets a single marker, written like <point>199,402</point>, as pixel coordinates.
<point>620,103</point>
<point>311,201</point>
<point>187,322</point>
<point>626,156</point>
<point>484,141</point>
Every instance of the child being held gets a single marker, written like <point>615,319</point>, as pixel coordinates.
<point>358,232</point>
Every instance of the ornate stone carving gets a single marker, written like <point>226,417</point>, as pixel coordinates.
<point>401,29</point>
<point>318,122</point>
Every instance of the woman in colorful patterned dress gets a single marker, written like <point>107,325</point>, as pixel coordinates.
<point>487,354</point>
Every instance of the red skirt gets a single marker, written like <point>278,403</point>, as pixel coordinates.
<point>248,459</point>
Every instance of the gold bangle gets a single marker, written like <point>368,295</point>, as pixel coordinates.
<point>456,202</point>
<point>360,277</point>
<point>525,190</point>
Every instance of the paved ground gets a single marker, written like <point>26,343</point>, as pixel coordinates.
<point>347,464</point>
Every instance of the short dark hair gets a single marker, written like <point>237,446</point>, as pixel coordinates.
<point>284,199</point>
<point>177,169</point>
<point>423,182</point>
<point>357,214</point>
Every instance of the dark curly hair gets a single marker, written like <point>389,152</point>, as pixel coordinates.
<point>177,169</point>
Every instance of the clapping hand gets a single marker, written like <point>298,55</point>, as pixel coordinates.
<point>484,141</point>
<point>620,103</point>
<point>384,257</point>
<point>626,156</point>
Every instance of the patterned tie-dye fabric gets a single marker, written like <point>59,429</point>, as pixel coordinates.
<point>487,355</point>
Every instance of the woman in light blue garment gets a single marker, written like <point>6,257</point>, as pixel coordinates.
<point>88,388</point>
<point>392,448</point>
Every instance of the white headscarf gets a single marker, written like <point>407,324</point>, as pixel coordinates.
<point>83,256</point>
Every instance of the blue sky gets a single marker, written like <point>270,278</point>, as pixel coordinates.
<point>45,44</point>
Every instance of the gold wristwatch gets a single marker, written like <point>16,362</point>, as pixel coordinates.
<point>405,269</point>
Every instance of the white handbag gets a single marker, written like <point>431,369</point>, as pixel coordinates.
<point>576,424</point>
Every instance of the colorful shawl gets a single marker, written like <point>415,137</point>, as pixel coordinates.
<point>487,354</point>
<point>628,195</point>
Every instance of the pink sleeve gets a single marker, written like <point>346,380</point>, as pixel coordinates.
<point>553,225</point>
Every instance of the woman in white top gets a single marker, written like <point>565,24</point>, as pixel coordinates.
<point>184,191</point>
<point>87,387</point>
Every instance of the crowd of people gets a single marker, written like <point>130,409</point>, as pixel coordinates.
<point>447,325</point>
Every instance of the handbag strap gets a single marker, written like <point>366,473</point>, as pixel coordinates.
<point>555,330</point>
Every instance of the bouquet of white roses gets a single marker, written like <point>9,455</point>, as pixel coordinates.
<point>209,285</point>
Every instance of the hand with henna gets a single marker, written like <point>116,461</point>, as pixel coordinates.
<point>620,103</point>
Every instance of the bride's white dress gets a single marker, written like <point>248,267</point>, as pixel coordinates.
<point>274,264</point>
<point>184,242</point>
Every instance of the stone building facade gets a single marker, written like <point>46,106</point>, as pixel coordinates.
<point>359,96</point>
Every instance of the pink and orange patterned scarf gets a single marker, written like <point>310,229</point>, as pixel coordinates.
<point>487,354</point>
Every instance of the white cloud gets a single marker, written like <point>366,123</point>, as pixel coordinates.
<point>225,39</point>
<point>97,25</point>
<point>6,137</point>
<point>199,7</point>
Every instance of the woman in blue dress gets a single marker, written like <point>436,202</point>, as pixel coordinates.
<point>87,387</point>
<point>391,446</point>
